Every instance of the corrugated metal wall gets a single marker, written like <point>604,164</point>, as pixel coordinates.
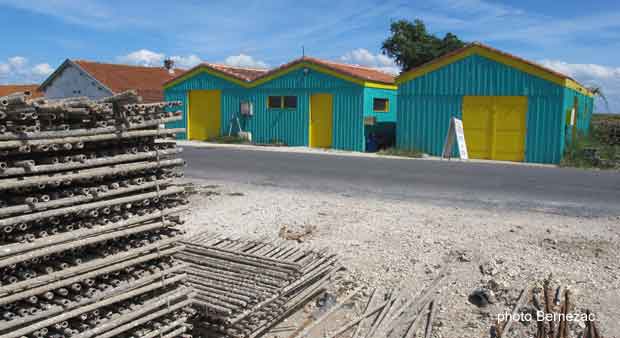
<point>291,126</point>
<point>285,125</point>
<point>371,93</point>
<point>423,121</point>
<point>267,125</point>
<point>425,105</point>
<point>584,111</point>
<point>178,96</point>
<point>348,132</point>
<point>205,81</point>
<point>545,137</point>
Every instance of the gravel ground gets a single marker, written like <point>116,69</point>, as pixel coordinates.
<point>389,243</point>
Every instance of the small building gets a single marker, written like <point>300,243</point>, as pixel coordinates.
<point>33,89</point>
<point>512,109</point>
<point>97,80</point>
<point>307,102</point>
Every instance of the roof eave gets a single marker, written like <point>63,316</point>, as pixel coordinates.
<point>480,49</point>
<point>75,64</point>
<point>69,62</point>
<point>51,77</point>
<point>201,68</point>
<point>280,71</point>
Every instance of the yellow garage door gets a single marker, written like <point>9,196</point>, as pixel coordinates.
<point>205,110</point>
<point>495,127</point>
<point>321,109</point>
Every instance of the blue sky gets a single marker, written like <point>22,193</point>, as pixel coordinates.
<point>579,38</point>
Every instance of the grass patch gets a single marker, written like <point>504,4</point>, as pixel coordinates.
<point>593,150</point>
<point>401,152</point>
<point>273,143</point>
<point>228,140</point>
<point>600,117</point>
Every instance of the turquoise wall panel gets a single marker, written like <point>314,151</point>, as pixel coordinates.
<point>348,125</point>
<point>311,80</point>
<point>585,106</point>
<point>371,93</point>
<point>477,75</point>
<point>203,81</point>
<point>269,125</point>
<point>291,126</point>
<point>425,105</point>
<point>545,136</point>
<point>178,96</point>
<point>424,124</point>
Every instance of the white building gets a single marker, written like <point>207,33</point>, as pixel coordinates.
<point>96,80</point>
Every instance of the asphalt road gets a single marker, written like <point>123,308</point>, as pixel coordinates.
<point>489,185</point>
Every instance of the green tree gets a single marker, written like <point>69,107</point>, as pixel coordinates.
<point>411,45</point>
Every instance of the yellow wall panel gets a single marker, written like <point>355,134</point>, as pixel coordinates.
<point>510,128</point>
<point>495,127</point>
<point>205,113</point>
<point>477,125</point>
<point>321,120</point>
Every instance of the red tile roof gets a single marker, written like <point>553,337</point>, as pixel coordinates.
<point>359,72</point>
<point>10,89</point>
<point>249,75</point>
<point>245,74</point>
<point>148,81</point>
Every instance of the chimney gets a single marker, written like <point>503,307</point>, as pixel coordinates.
<point>169,65</point>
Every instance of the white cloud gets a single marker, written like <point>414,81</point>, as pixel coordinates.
<point>92,13</point>
<point>149,58</point>
<point>583,69</point>
<point>42,69</point>
<point>17,69</point>
<point>17,61</point>
<point>481,7</point>
<point>243,60</point>
<point>364,57</point>
<point>604,77</point>
<point>143,57</point>
<point>5,69</point>
<point>186,61</point>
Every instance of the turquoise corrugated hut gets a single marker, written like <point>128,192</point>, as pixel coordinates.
<point>307,102</point>
<point>512,109</point>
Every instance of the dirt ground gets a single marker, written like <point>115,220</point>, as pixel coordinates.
<point>391,243</point>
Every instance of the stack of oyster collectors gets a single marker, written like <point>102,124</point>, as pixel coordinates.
<point>88,219</point>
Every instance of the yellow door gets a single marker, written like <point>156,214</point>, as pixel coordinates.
<point>477,124</point>
<point>510,128</point>
<point>495,127</point>
<point>321,120</point>
<point>205,110</point>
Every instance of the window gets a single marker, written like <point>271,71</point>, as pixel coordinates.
<point>290,102</point>
<point>282,102</point>
<point>381,105</point>
<point>274,102</point>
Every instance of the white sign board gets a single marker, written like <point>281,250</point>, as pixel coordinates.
<point>455,131</point>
